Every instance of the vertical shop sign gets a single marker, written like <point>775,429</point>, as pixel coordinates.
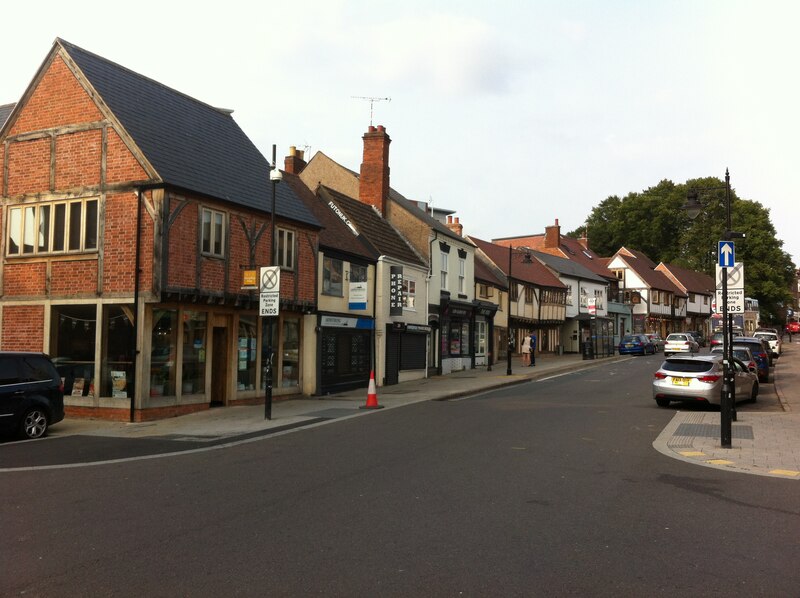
<point>396,290</point>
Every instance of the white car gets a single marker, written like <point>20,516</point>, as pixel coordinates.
<point>680,342</point>
<point>773,339</point>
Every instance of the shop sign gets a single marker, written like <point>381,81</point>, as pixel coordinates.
<point>343,322</point>
<point>396,290</point>
<point>358,296</point>
<point>418,328</point>
<point>250,280</point>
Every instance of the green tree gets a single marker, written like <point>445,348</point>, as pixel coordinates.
<point>653,221</point>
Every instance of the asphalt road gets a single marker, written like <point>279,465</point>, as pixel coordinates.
<point>550,488</point>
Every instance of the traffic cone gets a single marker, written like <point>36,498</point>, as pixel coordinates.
<point>372,396</point>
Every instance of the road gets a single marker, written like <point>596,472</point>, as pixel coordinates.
<point>548,488</point>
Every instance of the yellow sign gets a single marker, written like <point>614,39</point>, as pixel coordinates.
<point>249,279</point>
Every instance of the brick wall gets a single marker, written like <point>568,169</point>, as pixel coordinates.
<point>29,167</point>
<point>78,159</point>
<point>22,328</point>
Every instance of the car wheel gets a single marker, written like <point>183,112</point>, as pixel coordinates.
<point>754,392</point>
<point>34,423</point>
<point>662,402</point>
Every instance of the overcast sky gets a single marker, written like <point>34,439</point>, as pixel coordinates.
<point>514,114</point>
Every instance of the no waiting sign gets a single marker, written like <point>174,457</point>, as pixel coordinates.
<point>269,290</point>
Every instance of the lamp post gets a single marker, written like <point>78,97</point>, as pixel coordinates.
<point>275,177</point>
<point>727,402</point>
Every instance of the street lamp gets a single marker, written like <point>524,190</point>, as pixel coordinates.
<point>526,259</point>
<point>727,410</point>
<point>275,177</point>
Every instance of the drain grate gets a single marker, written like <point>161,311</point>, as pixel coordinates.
<point>713,431</point>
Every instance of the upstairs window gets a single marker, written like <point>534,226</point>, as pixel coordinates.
<point>462,268</point>
<point>332,277</point>
<point>528,294</point>
<point>409,293</point>
<point>284,250</point>
<point>58,227</point>
<point>213,233</point>
<point>444,257</point>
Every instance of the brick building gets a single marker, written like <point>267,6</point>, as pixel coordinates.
<point>129,213</point>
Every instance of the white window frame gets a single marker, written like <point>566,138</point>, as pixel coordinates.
<point>285,254</point>
<point>28,219</point>
<point>444,281</point>
<point>331,289</point>
<point>409,294</point>
<point>462,272</point>
<point>212,232</point>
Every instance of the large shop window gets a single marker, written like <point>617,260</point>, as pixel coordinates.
<point>193,378</point>
<point>290,353</point>
<point>480,337</point>
<point>72,345</point>
<point>246,370</point>
<point>164,342</point>
<point>59,227</point>
<point>117,375</point>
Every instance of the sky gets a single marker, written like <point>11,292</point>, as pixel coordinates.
<point>512,114</point>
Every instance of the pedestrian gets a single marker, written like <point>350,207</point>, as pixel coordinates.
<point>526,351</point>
<point>532,343</point>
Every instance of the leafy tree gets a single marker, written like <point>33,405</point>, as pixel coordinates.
<point>653,221</point>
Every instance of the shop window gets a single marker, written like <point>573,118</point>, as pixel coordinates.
<point>465,338</point>
<point>163,348</point>
<point>72,343</point>
<point>53,227</point>
<point>213,233</point>
<point>480,337</point>
<point>117,374</point>
<point>193,377</point>
<point>246,347</point>
<point>290,352</point>
<point>269,350</point>
<point>332,277</point>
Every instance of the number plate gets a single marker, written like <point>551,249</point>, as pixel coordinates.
<point>681,381</point>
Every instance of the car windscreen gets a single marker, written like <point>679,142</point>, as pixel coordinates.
<point>687,365</point>
<point>677,337</point>
<point>767,336</point>
<point>755,348</point>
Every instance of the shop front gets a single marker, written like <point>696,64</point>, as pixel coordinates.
<point>345,352</point>
<point>456,335</point>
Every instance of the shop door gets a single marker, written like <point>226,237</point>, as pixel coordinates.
<point>219,367</point>
<point>392,358</point>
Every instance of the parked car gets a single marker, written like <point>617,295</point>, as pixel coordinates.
<point>680,342</point>
<point>636,344</point>
<point>773,339</point>
<point>698,336</point>
<point>699,379</point>
<point>793,327</point>
<point>656,340</point>
<point>760,354</point>
<point>743,354</point>
<point>716,338</point>
<point>31,394</point>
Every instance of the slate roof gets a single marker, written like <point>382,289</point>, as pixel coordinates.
<point>336,234</point>
<point>372,226</point>
<point>691,280</point>
<point>644,267</point>
<point>5,111</point>
<point>535,272</point>
<point>567,267</point>
<point>191,145</point>
<point>568,248</point>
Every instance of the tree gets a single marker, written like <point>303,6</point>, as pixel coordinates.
<point>653,221</point>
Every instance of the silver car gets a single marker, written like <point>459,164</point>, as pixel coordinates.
<point>699,379</point>
<point>680,342</point>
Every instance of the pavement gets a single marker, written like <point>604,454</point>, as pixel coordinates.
<point>763,442</point>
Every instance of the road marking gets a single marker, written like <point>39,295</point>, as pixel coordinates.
<point>719,462</point>
<point>693,453</point>
<point>786,472</point>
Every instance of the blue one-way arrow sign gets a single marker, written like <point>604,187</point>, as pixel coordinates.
<point>726,253</point>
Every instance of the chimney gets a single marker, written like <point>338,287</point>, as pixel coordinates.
<point>552,236</point>
<point>294,162</point>
<point>455,226</point>
<point>373,185</point>
<point>584,241</point>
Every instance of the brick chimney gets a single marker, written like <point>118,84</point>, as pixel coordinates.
<point>373,185</point>
<point>455,226</point>
<point>552,236</point>
<point>294,162</point>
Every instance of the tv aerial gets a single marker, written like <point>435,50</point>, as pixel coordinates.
<point>371,100</point>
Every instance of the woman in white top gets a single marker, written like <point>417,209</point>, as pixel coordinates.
<point>526,350</point>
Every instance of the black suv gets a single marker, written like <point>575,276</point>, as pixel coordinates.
<point>31,394</point>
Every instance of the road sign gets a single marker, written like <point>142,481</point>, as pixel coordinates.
<point>726,254</point>
<point>270,290</point>
<point>735,276</point>
<point>735,301</point>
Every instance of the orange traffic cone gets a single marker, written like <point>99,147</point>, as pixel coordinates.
<point>372,396</point>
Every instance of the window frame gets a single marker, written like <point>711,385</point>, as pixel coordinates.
<point>444,270</point>
<point>30,234</point>
<point>285,248</point>
<point>331,290</point>
<point>213,225</point>
<point>409,293</point>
